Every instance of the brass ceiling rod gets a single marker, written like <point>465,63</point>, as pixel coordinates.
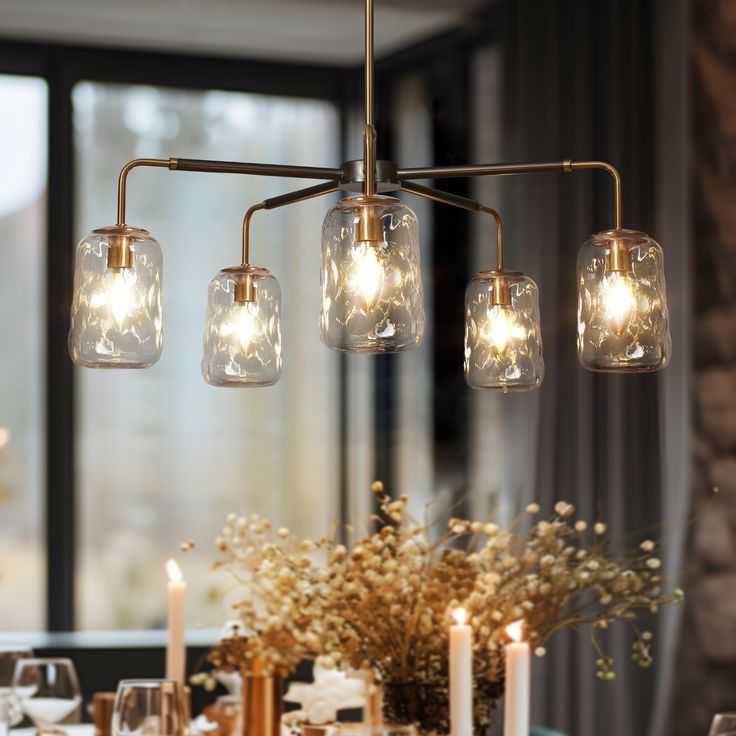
<point>369,132</point>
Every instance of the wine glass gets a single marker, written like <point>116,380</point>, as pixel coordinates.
<point>10,712</point>
<point>724,724</point>
<point>149,708</point>
<point>48,690</point>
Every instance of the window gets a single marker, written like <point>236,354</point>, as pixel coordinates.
<point>160,455</point>
<point>23,101</point>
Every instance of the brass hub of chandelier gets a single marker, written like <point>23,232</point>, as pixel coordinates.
<point>353,176</point>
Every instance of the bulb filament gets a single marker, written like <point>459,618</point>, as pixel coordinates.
<point>502,330</point>
<point>119,295</point>
<point>245,326</point>
<point>367,275</point>
<point>619,299</point>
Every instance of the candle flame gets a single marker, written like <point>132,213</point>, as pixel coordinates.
<point>460,615</point>
<point>174,571</point>
<point>514,631</point>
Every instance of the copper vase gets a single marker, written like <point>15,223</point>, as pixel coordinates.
<point>262,705</point>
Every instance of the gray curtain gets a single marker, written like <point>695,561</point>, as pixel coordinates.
<point>582,79</point>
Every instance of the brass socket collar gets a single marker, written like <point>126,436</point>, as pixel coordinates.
<point>245,278</point>
<point>245,289</point>
<point>119,254</point>
<point>500,292</point>
<point>119,237</point>
<point>501,281</point>
<point>370,228</point>
<point>619,258</point>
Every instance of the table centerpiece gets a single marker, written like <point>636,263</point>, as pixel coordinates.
<point>384,602</point>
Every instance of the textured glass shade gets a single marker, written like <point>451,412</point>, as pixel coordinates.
<point>503,341</point>
<point>242,339</point>
<point>116,309</point>
<point>623,323</point>
<point>371,289</point>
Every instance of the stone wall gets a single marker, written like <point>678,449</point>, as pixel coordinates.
<point>706,676</point>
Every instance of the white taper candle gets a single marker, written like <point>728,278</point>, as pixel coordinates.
<point>176,648</point>
<point>461,676</point>
<point>518,684</point>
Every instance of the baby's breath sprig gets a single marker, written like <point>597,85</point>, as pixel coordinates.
<point>285,593</point>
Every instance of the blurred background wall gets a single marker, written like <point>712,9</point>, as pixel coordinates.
<point>706,667</point>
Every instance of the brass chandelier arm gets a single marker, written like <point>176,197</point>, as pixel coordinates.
<point>455,200</point>
<point>436,195</point>
<point>237,167</point>
<point>246,230</point>
<point>566,166</point>
<point>123,180</point>
<point>219,167</point>
<point>446,172</point>
<point>499,234</point>
<point>300,195</point>
<point>603,166</point>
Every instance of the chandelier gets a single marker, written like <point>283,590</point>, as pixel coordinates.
<point>371,288</point>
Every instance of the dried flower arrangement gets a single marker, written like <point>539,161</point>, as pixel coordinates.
<point>384,602</point>
<point>284,599</point>
<point>392,594</point>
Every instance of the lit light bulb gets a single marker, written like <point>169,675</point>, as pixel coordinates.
<point>366,274</point>
<point>245,326</point>
<point>501,329</point>
<point>618,297</point>
<point>118,295</point>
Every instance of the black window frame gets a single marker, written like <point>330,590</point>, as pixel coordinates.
<point>62,67</point>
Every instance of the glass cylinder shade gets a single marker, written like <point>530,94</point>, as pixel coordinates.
<point>371,279</point>
<point>623,324</point>
<point>242,334</point>
<point>116,308</point>
<point>503,338</point>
